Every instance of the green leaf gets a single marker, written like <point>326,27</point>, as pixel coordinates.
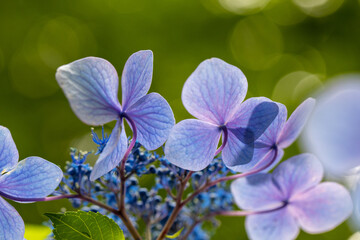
<point>175,235</point>
<point>84,226</point>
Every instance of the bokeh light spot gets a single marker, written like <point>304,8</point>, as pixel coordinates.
<point>284,12</point>
<point>256,43</point>
<point>318,8</point>
<point>295,86</point>
<point>49,44</point>
<point>244,6</point>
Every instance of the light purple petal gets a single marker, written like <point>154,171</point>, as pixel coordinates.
<point>253,118</point>
<point>242,116</point>
<point>271,134</point>
<point>33,177</point>
<point>296,123</point>
<point>112,153</point>
<point>9,154</point>
<point>270,158</point>
<point>91,86</point>
<point>261,158</point>
<point>11,224</point>
<point>298,174</point>
<point>256,192</point>
<point>277,225</point>
<point>153,119</point>
<point>322,208</point>
<point>236,153</point>
<point>136,77</point>
<point>192,144</point>
<point>214,91</point>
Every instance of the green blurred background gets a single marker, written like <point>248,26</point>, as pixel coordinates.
<point>287,49</point>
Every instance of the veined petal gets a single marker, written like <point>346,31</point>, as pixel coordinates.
<point>277,225</point>
<point>236,152</point>
<point>296,123</point>
<point>271,134</point>
<point>322,208</point>
<point>260,157</point>
<point>153,119</point>
<point>136,77</point>
<point>112,154</point>
<point>298,174</point>
<point>9,154</point>
<point>33,177</point>
<point>91,86</point>
<point>254,117</point>
<point>12,226</point>
<point>192,144</point>
<point>214,91</point>
<point>256,192</point>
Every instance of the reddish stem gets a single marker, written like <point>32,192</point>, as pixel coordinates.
<point>225,139</point>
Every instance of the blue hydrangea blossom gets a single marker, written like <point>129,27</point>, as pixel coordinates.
<point>269,146</point>
<point>30,179</point>
<point>214,93</point>
<point>91,86</point>
<point>333,131</point>
<point>289,198</point>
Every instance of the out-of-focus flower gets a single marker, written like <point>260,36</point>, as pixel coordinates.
<point>333,131</point>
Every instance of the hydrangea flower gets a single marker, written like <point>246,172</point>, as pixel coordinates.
<point>333,131</point>
<point>214,93</point>
<point>91,86</point>
<point>27,180</point>
<point>279,135</point>
<point>289,198</point>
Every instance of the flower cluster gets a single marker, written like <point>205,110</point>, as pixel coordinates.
<point>254,134</point>
<point>175,194</point>
<point>148,203</point>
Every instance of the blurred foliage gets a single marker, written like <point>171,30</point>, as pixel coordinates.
<point>287,49</point>
<point>36,232</point>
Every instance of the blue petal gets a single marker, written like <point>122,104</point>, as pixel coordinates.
<point>136,77</point>
<point>11,224</point>
<point>261,116</point>
<point>91,86</point>
<point>296,122</point>
<point>261,158</point>
<point>257,192</point>
<point>33,177</point>
<point>253,118</point>
<point>214,91</point>
<point>322,208</point>
<point>270,136</point>
<point>255,115</point>
<point>277,225</point>
<point>236,153</point>
<point>268,158</point>
<point>9,154</point>
<point>298,174</point>
<point>112,154</point>
<point>153,119</point>
<point>192,144</point>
